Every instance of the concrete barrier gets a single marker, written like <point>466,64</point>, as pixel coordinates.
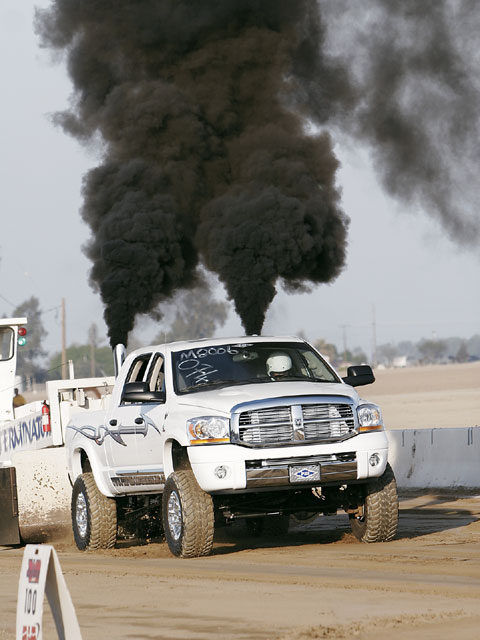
<point>435,458</point>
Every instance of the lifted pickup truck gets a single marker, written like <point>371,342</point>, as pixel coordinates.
<point>206,432</point>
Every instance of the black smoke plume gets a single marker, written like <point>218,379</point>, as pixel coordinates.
<point>201,109</point>
<point>203,158</point>
<point>414,65</point>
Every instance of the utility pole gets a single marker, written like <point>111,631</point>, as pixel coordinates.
<point>344,335</point>
<point>64,342</point>
<point>92,334</point>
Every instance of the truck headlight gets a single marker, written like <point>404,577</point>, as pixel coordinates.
<point>208,429</point>
<point>369,418</point>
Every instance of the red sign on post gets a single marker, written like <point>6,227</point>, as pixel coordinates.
<point>30,633</point>
<point>33,573</point>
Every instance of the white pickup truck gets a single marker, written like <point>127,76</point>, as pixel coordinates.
<point>206,432</point>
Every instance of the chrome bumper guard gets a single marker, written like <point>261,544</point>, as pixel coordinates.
<point>276,473</point>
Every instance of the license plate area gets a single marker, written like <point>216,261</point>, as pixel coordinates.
<point>304,473</point>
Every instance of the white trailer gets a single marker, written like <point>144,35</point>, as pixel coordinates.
<point>35,491</point>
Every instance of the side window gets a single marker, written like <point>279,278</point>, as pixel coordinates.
<point>145,378</point>
<point>156,374</point>
<point>6,343</point>
<point>139,368</point>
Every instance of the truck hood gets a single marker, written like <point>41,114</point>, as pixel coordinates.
<point>224,399</point>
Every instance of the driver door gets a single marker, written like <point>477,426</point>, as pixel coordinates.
<point>134,430</point>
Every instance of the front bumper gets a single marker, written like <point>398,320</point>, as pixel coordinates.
<point>250,469</point>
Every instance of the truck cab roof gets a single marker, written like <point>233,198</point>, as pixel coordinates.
<point>184,345</point>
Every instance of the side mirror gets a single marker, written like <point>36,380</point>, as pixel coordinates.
<point>140,392</point>
<point>359,375</point>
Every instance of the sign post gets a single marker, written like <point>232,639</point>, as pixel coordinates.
<point>41,573</point>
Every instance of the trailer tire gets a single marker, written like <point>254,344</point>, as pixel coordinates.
<point>188,516</point>
<point>379,520</point>
<point>94,516</point>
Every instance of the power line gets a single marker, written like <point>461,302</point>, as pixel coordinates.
<point>8,301</point>
<point>59,306</point>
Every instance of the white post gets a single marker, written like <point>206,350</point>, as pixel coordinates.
<point>41,573</point>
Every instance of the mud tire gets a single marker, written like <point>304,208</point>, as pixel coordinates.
<point>94,516</point>
<point>188,516</point>
<point>379,521</point>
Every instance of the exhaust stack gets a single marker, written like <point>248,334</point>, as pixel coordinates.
<point>118,357</point>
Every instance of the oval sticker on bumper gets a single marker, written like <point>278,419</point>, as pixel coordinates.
<point>304,473</point>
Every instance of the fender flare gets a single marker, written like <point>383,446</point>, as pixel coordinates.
<point>75,468</point>
<point>175,457</point>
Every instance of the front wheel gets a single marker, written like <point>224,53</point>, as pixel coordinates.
<point>377,519</point>
<point>94,516</point>
<point>188,516</point>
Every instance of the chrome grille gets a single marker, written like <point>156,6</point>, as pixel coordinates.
<point>328,422</point>
<point>323,422</point>
<point>266,426</point>
<point>276,415</point>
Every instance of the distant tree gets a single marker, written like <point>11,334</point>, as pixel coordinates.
<point>81,356</point>
<point>29,356</point>
<point>197,315</point>
<point>452,345</point>
<point>462,354</point>
<point>473,345</point>
<point>327,349</point>
<point>386,353</point>
<point>407,348</point>
<point>431,350</point>
<point>356,356</point>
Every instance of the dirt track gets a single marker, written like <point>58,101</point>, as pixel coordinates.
<point>431,396</point>
<point>317,582</point>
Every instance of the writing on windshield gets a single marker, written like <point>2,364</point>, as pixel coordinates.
<point>235,364</point>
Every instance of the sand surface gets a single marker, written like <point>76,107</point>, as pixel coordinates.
<point>316,582</point>
<point>426,397</point>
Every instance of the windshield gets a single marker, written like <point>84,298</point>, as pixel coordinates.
<point>235,364</point>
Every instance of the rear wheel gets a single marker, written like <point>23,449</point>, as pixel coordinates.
<point>94,516</point>
<point>377,519</point>
<point>188,516</point>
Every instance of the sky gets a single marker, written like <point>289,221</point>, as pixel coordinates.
<point>402,270</point>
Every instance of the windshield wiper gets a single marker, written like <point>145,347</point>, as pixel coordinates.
<point>223,383</point>
<point>213,383</point>
<point>200,386</point>
<point>302,378</point>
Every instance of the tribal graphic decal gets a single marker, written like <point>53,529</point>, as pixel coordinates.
<point>116,432</point>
